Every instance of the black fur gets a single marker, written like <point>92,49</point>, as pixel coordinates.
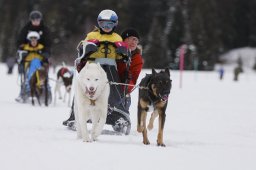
<point>38,90</point>
<point>66,80</point>
<point>155,90</point>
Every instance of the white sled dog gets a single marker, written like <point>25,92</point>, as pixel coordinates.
<point>91,100</point>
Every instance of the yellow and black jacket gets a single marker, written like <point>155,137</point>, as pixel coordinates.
<point>33,52</point>
<point>107,49</point>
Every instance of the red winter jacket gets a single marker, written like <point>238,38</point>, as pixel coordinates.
<point>134,70</point>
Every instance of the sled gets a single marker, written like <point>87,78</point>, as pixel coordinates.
<point>25,74</point>
<point>118,116</point>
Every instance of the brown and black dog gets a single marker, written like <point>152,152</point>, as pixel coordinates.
<point>37,83</point>
<point>64,77</point>
<point>154,91</point>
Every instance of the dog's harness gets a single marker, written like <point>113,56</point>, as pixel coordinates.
<point>150,90</point>
<point>157,97</point>
<point>141,87</point>
<point>63,71</point>
<point>125,84</point>
<point>92,102</point>
<point>38,84</point>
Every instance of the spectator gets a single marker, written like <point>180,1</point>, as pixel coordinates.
<point>10,62</point>
<point>237,71</point>
<point>221,72</point>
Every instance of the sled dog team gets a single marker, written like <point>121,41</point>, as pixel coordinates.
<point>91,101</point>
<point>104,58</point>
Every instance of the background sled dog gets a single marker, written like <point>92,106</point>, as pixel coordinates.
<point>37,82</point>
<point>64,78</point>
<point>91,100</point>
<point>157,87</point>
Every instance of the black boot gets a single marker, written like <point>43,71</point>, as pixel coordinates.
<point>71,117</point>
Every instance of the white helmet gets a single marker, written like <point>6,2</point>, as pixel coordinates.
<point>107,19</point>
<point>33,34</point>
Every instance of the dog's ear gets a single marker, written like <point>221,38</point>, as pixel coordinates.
<point>99,67</point>
<point>153,71</point>
<point>86,65</point>
<point>167,71</point>
<point>102,71</point>
<point>98,64</point>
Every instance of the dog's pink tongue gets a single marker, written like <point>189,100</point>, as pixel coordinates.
<point>165,97</point>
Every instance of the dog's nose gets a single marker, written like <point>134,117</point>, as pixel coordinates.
<point>91,89</point>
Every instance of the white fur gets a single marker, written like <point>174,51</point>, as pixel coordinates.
<point>91,76</point>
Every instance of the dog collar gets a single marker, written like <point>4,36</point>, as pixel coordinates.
<point>92,102</point>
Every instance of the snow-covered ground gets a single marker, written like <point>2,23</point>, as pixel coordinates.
<point>210,125</point>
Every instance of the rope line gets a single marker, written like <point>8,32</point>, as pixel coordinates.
<point>124,84</point>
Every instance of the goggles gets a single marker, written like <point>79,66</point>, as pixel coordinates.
<point>106,24</point>
<point>36,20</point>
<point>33,38</point>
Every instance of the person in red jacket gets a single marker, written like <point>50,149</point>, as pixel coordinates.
<point>130,71</point>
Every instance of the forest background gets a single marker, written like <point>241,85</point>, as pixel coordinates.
<point>209,28</point>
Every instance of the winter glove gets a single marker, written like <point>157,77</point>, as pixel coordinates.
<point>86,48</point>
<point>79,64</point>
<point>126,59</point>
<point>122,49</point>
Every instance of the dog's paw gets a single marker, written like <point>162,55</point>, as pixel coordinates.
<point>94,138</point>
<point>150,126</point>
<point>146,142</point>
<point>95,135</point>
<point>87,139</point>
<point>140,128</point>
<point>161,144</point>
